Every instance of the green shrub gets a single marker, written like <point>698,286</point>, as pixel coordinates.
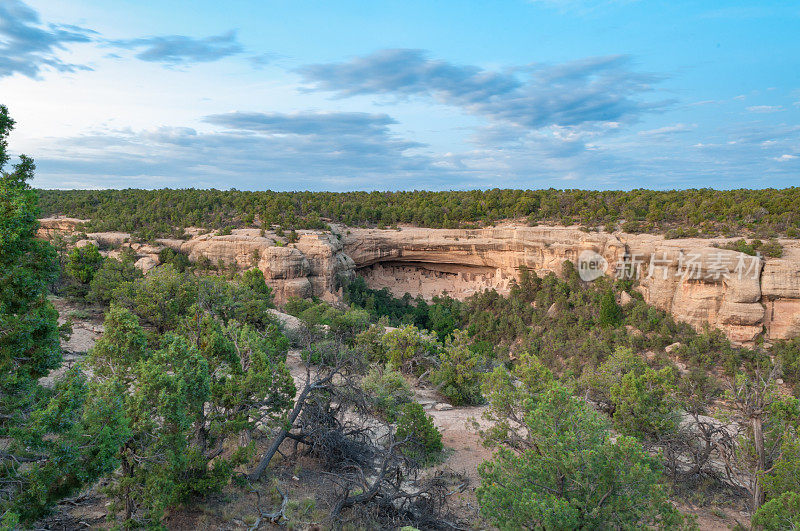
<point>788,354</point>
<point>83,263</point>
<point>425,441</point>
<point>178,260</point>
<point>644,404</point>
<point>458,376</point>
<point>113,273</point>
<point>782,487</point>
<point>610,311</point>
<point>295,306</point>
<point>78,315</point>
<point>409,349</point>
<point>387,390</point>
<point>771,248</point>
<point>570,473</point>
<point>320,353</point>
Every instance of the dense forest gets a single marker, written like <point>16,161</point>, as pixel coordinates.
<point>146,213</point>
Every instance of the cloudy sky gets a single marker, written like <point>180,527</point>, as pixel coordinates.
<point>404,94</point>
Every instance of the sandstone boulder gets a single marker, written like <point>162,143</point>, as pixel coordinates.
<point>49,227</point>
<point>146,264</point>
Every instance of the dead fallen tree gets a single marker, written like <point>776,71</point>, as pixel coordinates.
<point>362,459</point>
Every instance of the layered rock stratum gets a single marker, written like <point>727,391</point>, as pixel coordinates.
<point>692,279</point>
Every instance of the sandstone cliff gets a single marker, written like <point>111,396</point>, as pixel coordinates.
<point>690,278</point>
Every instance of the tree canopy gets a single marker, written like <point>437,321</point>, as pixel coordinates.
<point>677,213</point>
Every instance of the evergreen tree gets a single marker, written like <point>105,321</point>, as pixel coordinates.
<point>567,472</point>
<point>610,311</point>
<point>48,451</point>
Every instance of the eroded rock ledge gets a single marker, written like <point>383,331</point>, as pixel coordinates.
<point>694,281</point>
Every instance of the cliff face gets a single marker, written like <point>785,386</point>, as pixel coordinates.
<point>49,227</point>
<point>312,266</point>
<point>690,278</point>
<point>428,262</point>
<point>694,281</point>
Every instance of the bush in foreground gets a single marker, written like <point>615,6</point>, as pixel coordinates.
<point>570,474</point>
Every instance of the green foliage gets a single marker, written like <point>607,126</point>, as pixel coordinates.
<point>702,212</point>
<point>343,324</point>
<point>111,274</point>
<point>350,323</point>
<point>62,448</point>
<point>642,399</point>
<point>323,353</point>
<point>387,391</point>
<point>120,349</point>
<point>177,260</point>
<point>424,440</point>
<point>171,387</point>
<point>610,311</point>
<point>508,393</point>
<point>782,487</point>
<point>45,453</point>
<point>160,298</point>
<point>254,280</point>
<point>788,355</point>
<point>441,316</point>
<point>599,381</point>
<point>571,475</point>
<point>771,248</point>
<point>779,513</point>
<point>212,370</point>
<point>83,262</point>
<point>644,404</point>
<point>295,306</point>
<point>186,401</point>
<point>408,349</point>
<point>458,376</point>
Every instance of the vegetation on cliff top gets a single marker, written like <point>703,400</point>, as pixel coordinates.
<point>682,213</point>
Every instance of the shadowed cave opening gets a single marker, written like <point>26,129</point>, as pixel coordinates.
<point>429,279</point>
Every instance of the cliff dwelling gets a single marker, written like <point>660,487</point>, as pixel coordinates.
<point>429,279</point>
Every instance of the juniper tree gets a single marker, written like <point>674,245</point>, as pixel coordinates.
<point>47,450</point>
<point>565,471</point>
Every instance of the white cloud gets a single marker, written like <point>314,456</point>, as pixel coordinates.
<point>669,129</point>
<point>764,109</point>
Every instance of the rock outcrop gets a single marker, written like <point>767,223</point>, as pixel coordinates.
<point>428,262</point>
<point>49,227</point>
<point>312,266</point>
<point>691,278</point>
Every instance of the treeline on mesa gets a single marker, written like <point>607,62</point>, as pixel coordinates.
<point>684,213</point>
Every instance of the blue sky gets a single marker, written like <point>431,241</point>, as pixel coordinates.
<point>300,95</point>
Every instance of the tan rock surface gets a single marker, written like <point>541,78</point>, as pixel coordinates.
<point>692,279</point>
<point>48,227</point>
